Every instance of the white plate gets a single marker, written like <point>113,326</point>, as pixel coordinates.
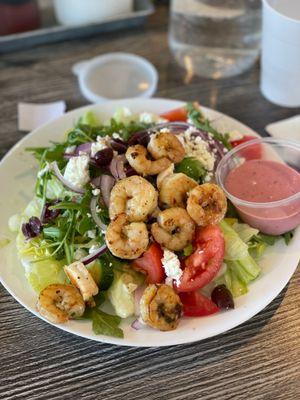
<point>17,177</point>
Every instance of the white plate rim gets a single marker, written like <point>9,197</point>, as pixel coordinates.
<point>230,323</point>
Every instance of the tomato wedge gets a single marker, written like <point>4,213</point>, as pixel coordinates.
<point>252,153</point>
<point>195,304</point>
<point>150,263</point>
<point>178,114</point>
<point>206,260</point>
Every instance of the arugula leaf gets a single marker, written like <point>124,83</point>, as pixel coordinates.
<point>49,154</point>
<point>200,122</point>
<point>106,324</point>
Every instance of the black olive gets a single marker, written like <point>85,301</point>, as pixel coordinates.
<point>222,297</point>
<point>104,157</point>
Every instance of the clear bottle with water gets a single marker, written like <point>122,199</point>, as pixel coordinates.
<point>215,38</point>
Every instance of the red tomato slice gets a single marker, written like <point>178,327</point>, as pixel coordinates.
<point>203,265</point>
<point>197,305</point>
<point>178,114</point>
<point>150,263</point>
<point>253,153</point>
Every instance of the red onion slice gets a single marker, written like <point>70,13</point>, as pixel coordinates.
<point>106,184</point>
<point>137,325</point>
<point>84,148</point>
<point>138,293</point>
<point>95,254</point>
<point>120,167</point>
<point>93,206</point>
<point>61,178</point>
<point>113,168</point>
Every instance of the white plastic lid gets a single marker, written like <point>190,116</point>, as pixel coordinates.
<point>116,76</point>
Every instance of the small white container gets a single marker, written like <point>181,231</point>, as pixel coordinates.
<point>280,62</point>
<point>116,76</point>
<point>82,12</point>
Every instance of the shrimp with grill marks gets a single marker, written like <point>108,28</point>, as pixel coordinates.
<point>138,158</point>
<point>174,229</point>
<point>161,307</point>
<point>58,303</point>
<point>135,197</point>
<point>207,204</point>
<point>126,239</point>
<point>174,190</point>
<point>166,144</point>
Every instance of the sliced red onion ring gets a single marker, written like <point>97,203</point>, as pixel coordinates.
<point>84,148</point>
<point>120,167</point>
<point>137,325</point>
<point>138,293</point>
<point>95,254</point>
<point>61,178</point>
<point>117,168</point>
<point>113,168</point>
<point>106,184</point>
<point>93,206</point>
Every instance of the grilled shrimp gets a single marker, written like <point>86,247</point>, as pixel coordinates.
<point>207,204</point>
<point>174,190</point>
<point>166,144</point>
<point>137,157</point>
<point>163,175</point>
<point>58,303</point>
<point>126,239</point>
<point>134,196</point>
<point>82,279</point>
<point>174,228</point>
<point>161,307</point>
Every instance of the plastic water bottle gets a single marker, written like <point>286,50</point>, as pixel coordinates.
<point>215,38</point>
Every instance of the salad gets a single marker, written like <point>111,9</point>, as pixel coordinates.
<point>127,221</point>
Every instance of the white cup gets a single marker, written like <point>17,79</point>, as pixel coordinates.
<point>280,61</point>
<point>83,12</point>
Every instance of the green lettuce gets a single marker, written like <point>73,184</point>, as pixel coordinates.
<point>241,266</point>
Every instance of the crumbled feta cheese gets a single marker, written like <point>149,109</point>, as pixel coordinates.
<point>146,118</point>
<point>77,171</point>
<point>164,130</point>
<point>79,254</point>
<point>198,148</point>
<point>70,149</point>
<point>96,192</point>
<point>115,135</point>
<point>93,248</point>
<point>171,265</point>
<point>91,234</point>
<point>102,143</point>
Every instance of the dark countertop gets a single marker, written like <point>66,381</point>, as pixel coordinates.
<point>258,360</point>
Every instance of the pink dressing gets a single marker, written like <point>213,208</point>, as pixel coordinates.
<point>261,181</point>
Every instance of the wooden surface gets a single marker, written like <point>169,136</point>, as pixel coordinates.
<point>258,360</point>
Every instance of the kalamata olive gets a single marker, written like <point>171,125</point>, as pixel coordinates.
<point>104,157</point>
<point>129,171</point>
<point>118,145</point>
<point>49,215</point>
<point>32,228</point>
<point>142,138</point>
<point>222,297</point>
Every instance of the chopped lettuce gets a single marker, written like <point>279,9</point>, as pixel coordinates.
<point>245,231</point>
<point>121,293</point>
<point>43,273</point>
<point>241,266</point>
<point>89,118</point>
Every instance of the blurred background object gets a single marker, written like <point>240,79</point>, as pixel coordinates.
<point>78,12</point>
<point>18,16</point>
<point>280,62</point>
<point>215,38</point>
